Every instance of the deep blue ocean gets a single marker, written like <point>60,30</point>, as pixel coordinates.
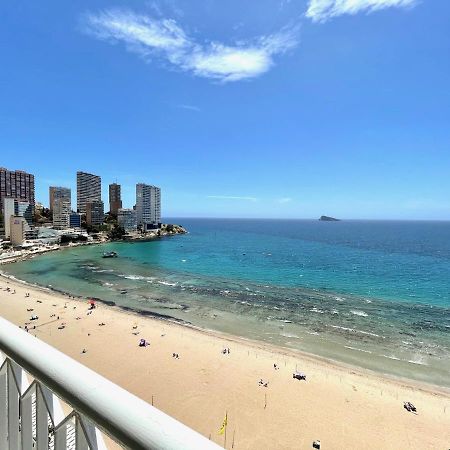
<point>371,293</point>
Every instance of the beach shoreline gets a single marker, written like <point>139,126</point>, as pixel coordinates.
<point>257,344</point>
<point>47,248</point>
<point>327,374</point>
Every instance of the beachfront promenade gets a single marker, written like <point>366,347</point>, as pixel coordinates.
<point>34,377</point>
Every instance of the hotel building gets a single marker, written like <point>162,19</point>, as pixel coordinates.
<point>14,208</point>
<point>56,192</point>
<point>126,218</point>
<point>148,206</point>
<point>18,227</point>
<point>115,201</point>
<point>16,184</point>
<point>60,205</point>
<point>95,212</point>
<point>61,213</point>
<point>89,189</point>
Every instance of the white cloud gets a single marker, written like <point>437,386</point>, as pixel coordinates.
<point>164,38</point>
<point>233,197</point>
<point>189,107</point>
<point>323,10</point>
<point>285,200</point>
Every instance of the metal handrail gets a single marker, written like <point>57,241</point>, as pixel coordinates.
<point>127,419</point>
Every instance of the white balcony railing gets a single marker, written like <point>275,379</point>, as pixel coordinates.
<point>34,376</point>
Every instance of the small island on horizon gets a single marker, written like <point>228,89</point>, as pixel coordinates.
<point>329,219</point>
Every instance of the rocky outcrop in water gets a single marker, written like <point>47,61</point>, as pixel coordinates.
<point>328,219</point>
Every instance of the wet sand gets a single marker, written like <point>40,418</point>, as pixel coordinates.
<point>342,406</point>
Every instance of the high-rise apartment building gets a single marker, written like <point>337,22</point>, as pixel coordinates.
<point>148,206</point>
<point>115,200</point>
<point>61,213</point>
<point>9,210</point>
<point>16,184</point>
<point>126,218</point>
<point>60,205</point>
<point>56,192</point>
<point>14,208</point>
<point>95,212</point>
<point>89,189</point>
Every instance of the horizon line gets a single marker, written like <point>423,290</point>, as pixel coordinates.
<point>309,218</point>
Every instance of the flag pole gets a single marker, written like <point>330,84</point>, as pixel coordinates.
<point>226,426</point>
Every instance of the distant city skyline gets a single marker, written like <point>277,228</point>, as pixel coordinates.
<point>287,109</point>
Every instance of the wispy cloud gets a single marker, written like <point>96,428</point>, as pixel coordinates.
<point>233,197</point>
<point>165,39</point>
<point>189,107</point>
<point>323,10</point>
<point>285,200</point>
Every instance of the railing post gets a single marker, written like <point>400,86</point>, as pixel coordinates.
<point>14,382</point>
<point>26,428</point>
<point>81,441</point>
<point>61,437</point>
<point>3,403</point>
<point>41,420</point>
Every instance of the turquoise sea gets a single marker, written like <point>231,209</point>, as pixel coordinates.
<point>370,293</point>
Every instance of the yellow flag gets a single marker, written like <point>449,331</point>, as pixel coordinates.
<point>224,425</point>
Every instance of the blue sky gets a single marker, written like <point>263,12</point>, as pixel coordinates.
<point>236,109</point>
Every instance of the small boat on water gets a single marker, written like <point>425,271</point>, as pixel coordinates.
<point>110,255</point>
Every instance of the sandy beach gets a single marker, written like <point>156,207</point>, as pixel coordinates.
<point>341,406</point>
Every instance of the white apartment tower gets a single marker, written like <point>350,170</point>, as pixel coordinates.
<point>61,213</point>
<point>89,189</point>
<point>126,218</point>
<point>60,204</point>
<point>148,206</point>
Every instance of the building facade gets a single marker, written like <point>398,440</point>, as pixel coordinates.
<point>89,189</point>
<point>16,184</point>
<point>61,213</point>
<point>75,220</point>
<point>60,201</point>
<point>56,192</point>
<point>115,199</point>
<point>9,210</point>
<point>14,208</point>
<point>25,210</point>
<point>148,206</point>
<point>126,218</point>
<point>95,213</point>
<point>18,227</point>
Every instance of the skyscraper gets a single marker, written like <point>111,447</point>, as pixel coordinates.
<point>126,218</point>
<point>89,188</point>
<point>61,213</point>
<point>148,206</point>
<point>56,192</point>
<point>16,184</point>
<point>115,200</point>
<point>94,212</point>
